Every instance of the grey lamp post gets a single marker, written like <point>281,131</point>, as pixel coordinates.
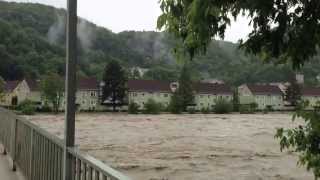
<point>71,63</point>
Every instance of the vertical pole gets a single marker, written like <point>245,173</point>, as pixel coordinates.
<point>71,62</point>
<point>31,155</point>
<point>14,145</point>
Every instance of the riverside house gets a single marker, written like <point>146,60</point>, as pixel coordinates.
<point>207,94</point>
<point>311,94</point>
<point>140,91</point>
<point>264,95</point>
<point>14,93</point>
<point>19,91</point>
<point>87,95</point>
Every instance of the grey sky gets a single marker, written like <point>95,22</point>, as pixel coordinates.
<point>120,15</point>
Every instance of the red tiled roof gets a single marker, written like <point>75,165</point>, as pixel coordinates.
<point>310,91</point>
<point>149,86</point>
<point>209,88</point>
<point>88,84</point>
<point>164,86</point>
<point>10,85</point>
<point>265,89</point>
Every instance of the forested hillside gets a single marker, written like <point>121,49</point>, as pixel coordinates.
<point>32,43</point>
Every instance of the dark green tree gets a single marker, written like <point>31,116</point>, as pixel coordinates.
<point>185,89</point>
<point>236,100</point>
<point>175,105</point>
<point>293,92</point>
<point>184,94</point>
<point>52,89</point>
<point>115,84</point>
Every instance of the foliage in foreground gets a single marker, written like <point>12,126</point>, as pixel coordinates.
<point>280,28</point>
<point>304,139</point>
<point>223,106</point>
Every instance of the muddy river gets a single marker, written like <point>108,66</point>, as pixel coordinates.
<point>185,147</point>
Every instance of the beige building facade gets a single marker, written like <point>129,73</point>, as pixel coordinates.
<point>263,95</point>
<point>87,95</point>
<point>206,94</point>
<point>15,92</point>
<point>312,95</point>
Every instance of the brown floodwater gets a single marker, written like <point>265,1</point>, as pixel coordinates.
<point>185,147</point>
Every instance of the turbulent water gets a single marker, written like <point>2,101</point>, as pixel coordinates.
<point>185,147</point>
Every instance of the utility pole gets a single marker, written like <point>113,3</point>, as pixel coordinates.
<point>71,63</point>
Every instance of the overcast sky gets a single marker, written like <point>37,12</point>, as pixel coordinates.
<point>120,15</point>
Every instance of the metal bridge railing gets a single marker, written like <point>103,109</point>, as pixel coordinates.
<point>39,154</point>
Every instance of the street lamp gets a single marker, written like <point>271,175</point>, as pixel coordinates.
<point>71,63</point>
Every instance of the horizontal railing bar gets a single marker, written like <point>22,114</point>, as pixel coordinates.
<point>97,165</point>
<point>42,132</point>
<point>45,147</point>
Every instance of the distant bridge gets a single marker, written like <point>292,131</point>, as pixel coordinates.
<point>39,155</point>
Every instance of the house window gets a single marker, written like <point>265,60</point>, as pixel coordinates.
<point>142,94</point>
<point>165,95</point>
<point>201,96</point>
<point>93,94</point>
<point>208,96</point>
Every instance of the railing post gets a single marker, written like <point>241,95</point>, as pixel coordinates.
<point>71,64</point>
<point>31,155</point>
<point>14,144</point>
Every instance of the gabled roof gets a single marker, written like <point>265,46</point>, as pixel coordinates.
<point>33,84</point>
<point>310,91</point>
<point>87,84</point>
<point>164,86</point>
<point>264,89</point>
<point>209,88</point>
<point>149,86</point>
<point>9,86</point>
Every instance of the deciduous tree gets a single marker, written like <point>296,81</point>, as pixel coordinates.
<point>52,88</point>
<point>184,95</point>
<point>185,89</point>
<point>283,30</point>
